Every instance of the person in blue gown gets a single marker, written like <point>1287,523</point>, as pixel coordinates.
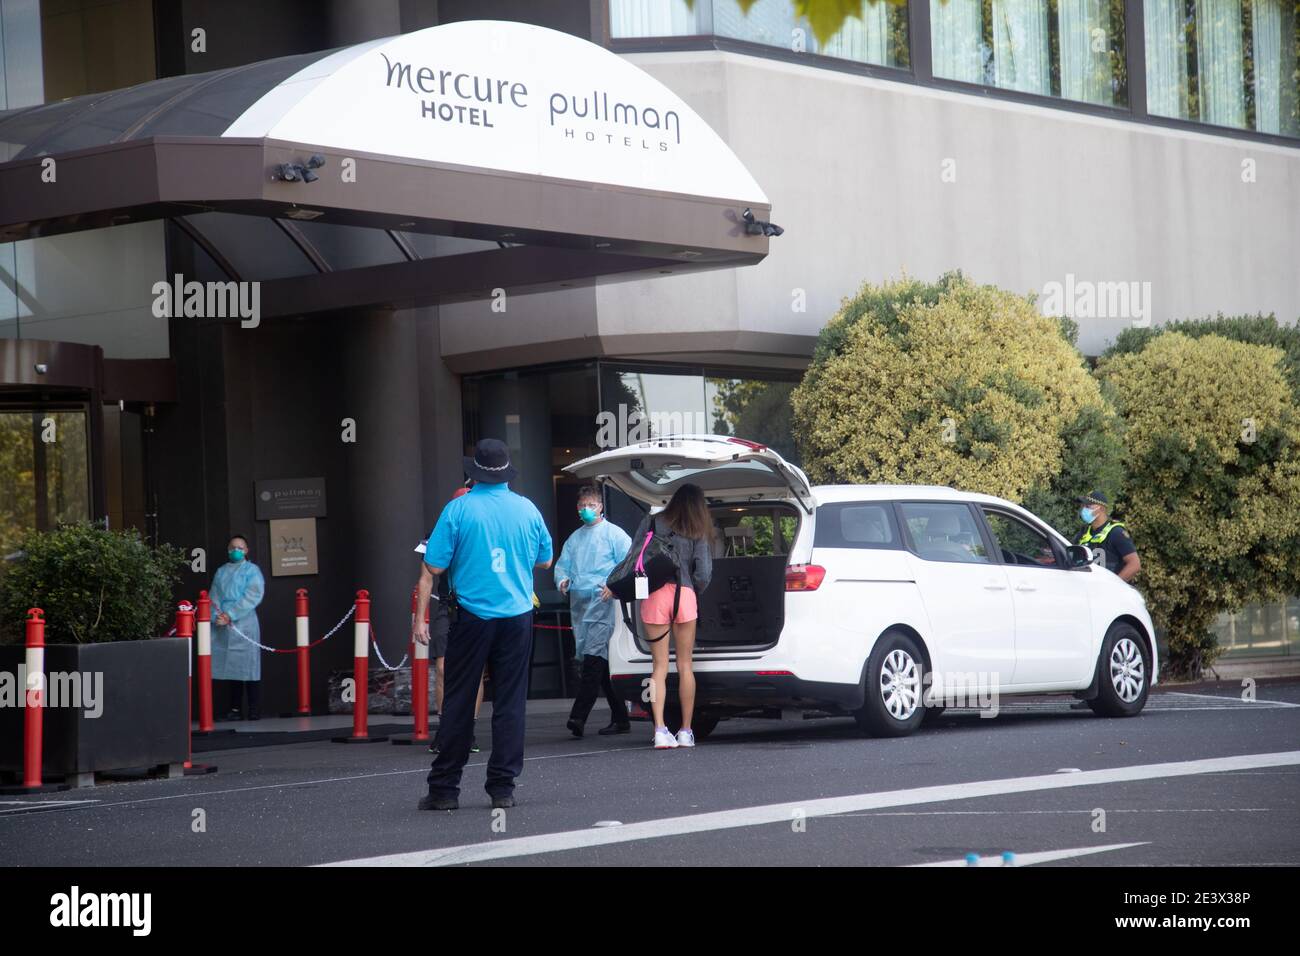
<point>588,556</point>
<point>237,590</point>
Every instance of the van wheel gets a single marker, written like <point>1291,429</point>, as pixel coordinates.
<point>892,706</point>
<point>1123,673</point>
<point>703,723</point>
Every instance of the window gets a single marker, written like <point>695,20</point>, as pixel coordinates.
<point>855,526</point>
<point>753,532</point>
<point>1225,62</point>
<point>877,35</point>
<point>1073,49</point>
<point>1022,544</point>
<point>944,532</point>
<point>637,405</point>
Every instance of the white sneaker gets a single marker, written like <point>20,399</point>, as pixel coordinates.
<point>664,740</point>
<point>686,737</point>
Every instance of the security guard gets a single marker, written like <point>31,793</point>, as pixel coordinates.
<point>1111,537</point>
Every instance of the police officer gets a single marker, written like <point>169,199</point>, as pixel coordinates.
<point>1108,536</point>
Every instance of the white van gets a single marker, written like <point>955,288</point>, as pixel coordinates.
<point>880,602</point>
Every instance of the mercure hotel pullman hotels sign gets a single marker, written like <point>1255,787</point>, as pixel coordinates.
<point>504,96</point>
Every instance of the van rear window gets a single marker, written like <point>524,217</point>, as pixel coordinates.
<point>855,525</point>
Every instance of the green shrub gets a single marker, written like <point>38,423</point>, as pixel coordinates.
<point>94,586</point>
<point>1251,329</point>
<point>952,383</point>
<point>1213,485</point>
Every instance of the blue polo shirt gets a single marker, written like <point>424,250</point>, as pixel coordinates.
<point>489,540</point>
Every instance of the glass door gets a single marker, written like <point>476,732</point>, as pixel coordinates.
<point>44,470</point>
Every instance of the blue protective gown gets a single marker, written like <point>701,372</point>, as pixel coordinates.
<point>237,590</point>
<point>585,562</point>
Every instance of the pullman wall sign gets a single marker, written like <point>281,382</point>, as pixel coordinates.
<point>290,498</point>
<point>503,96</point>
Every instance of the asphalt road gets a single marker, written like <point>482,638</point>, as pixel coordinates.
<point>1189,782</point>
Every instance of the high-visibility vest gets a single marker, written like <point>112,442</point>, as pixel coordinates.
<point>1089,538</point>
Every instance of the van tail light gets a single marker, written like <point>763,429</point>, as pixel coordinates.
<point>751,445</point>
<point>804,577</point>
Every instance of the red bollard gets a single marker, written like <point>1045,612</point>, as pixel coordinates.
<point>34,718</point>
<point>185,629</point>
<point>420,687</point>
<point>360,674</point>
<point>205,663</point>
<point>33,679</point>
<point>304,658</point>
<point>419,654</point>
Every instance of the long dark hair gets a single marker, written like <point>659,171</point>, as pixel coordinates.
<point>688,513</point>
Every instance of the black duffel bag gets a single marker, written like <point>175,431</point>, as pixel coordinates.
<point>654,559</point>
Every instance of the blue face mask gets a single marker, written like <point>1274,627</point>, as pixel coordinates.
<point>1087,515</point>
<point>236,554</point>
<point>588,515</point>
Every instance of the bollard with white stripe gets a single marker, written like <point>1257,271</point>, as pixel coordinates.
<point>304,655</point>
<point>34,712</point>
<point>360,675</point>
<point>185,629</point>
<point>204,627</point>
<point>419,681</point>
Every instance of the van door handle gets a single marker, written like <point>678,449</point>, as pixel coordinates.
<point>994,586</point>
<point>1025,587</point>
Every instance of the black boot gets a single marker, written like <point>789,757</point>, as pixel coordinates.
<point>575,727</point>
<point>615,728</point>
<point>430,802</point>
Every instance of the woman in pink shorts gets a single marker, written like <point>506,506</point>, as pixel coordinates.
<point>687,519</point>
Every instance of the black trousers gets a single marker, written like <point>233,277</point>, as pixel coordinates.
<point>595,678</point>
<point>504,644</point>
<point>236,689</point>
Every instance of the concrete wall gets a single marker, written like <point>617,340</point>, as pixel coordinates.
<point>853,168</point>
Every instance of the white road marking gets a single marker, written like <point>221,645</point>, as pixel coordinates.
<point>1235,700</point>
<point>1010,813</point>
<point>1029,859</point>
<point>785,812</point>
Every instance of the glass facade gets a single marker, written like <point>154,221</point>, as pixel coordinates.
<point>94,287</point>
<point>1227,63</point>
<point>1073,49</point>
<point>551,417</point>
<point>1224,62</point>
<point>878,36</point>
<point>1261,630</point>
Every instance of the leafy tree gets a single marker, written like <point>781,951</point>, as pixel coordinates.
<point>94,585</point>
<point>956,384</point>
<point>1213,479</point>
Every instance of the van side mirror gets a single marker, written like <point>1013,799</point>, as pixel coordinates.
<point>1080,556</point>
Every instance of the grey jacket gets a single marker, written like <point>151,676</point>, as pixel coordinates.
<point>694,556</point>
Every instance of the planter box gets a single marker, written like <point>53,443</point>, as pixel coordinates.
<point>142,702</point>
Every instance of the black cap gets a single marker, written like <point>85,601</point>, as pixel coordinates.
<point>491,462</point>
<point>1096,498</point>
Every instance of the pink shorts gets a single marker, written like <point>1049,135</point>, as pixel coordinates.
<point>657,608</point>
